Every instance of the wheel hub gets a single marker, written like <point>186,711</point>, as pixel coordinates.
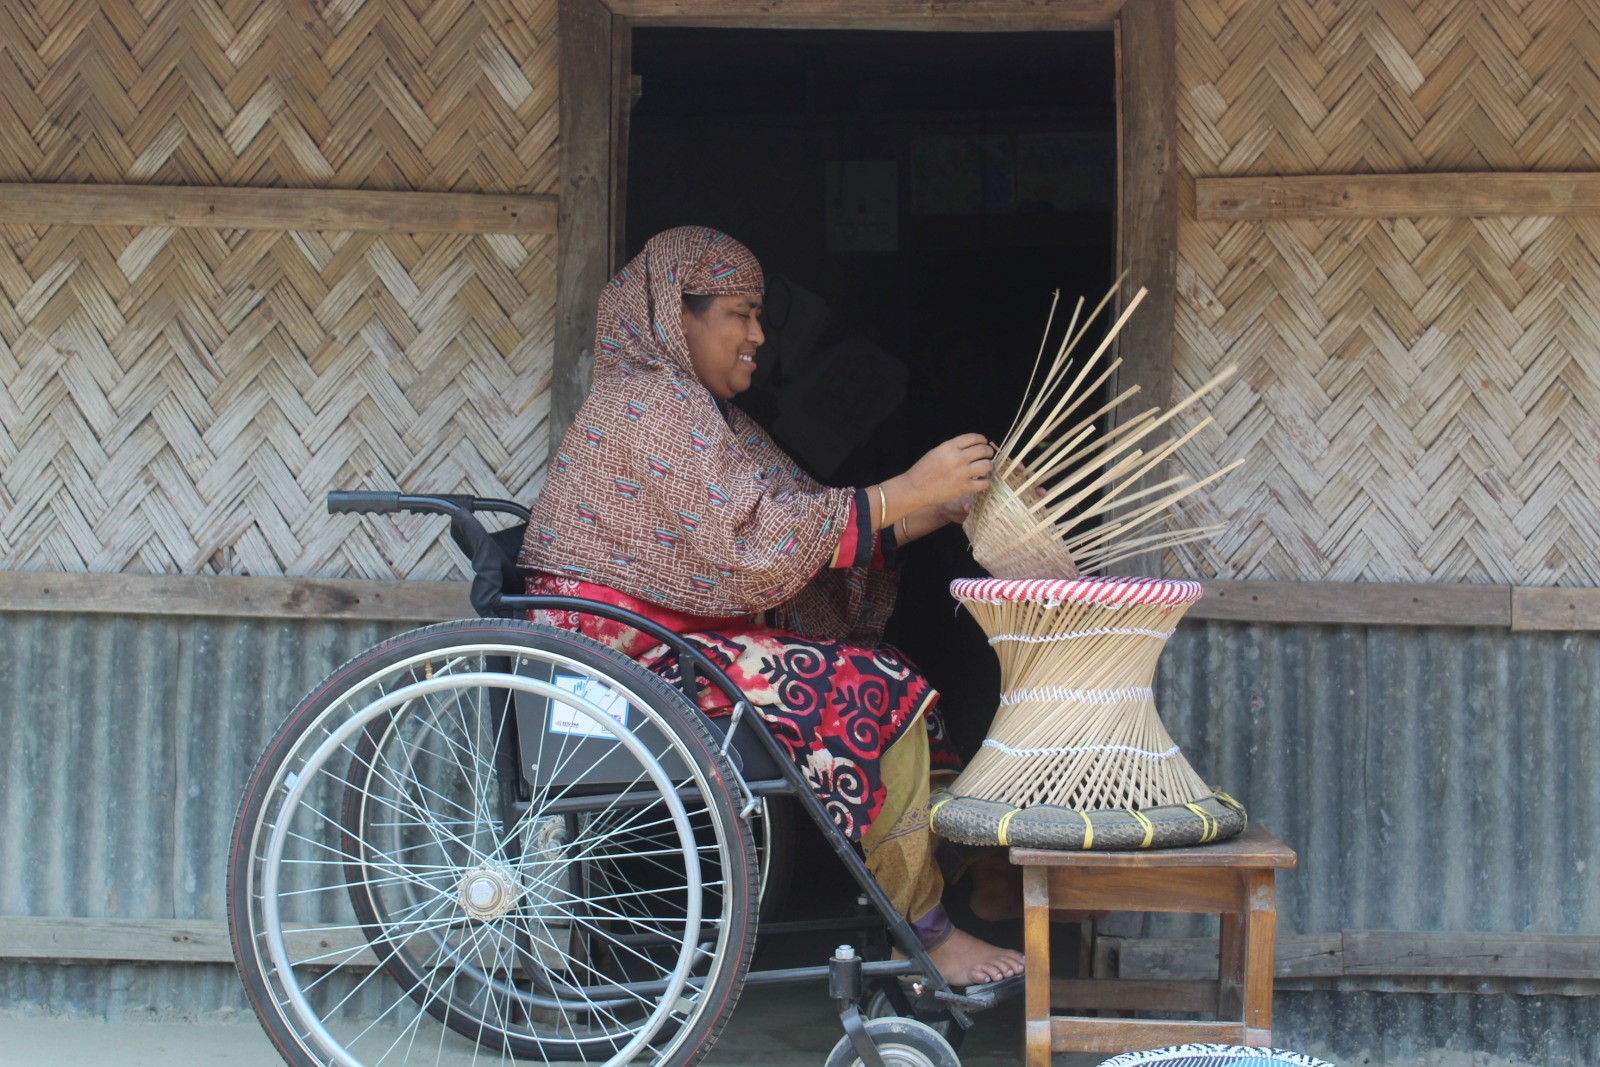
<point>488,892</point>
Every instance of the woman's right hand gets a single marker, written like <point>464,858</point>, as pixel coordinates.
<point>959,467</point>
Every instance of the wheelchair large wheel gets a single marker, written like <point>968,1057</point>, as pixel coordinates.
<point>492,840</point>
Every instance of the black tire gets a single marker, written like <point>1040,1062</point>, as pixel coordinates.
<point>879,1005</point>
<point>575,920</point>
<point>901,1043</point>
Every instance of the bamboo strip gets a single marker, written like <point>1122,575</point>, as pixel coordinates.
<point>1046,490</point>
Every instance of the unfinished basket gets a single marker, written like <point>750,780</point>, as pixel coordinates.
<point>1077,756</point>
<point>1070,495</point>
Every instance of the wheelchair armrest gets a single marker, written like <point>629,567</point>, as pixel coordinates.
<point>492,555</point>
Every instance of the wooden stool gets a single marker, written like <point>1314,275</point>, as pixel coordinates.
<point>1233,879</point>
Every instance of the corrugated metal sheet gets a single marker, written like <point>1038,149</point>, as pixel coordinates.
<point>1429,779</point>
<point>124,746</point>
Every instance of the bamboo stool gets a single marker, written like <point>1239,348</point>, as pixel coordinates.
<point>1234,879</point>
<point>1077,756</point>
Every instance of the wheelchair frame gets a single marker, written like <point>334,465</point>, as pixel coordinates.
<point>254,866</point>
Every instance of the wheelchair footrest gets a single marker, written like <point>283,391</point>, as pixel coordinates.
<point>984,995</point>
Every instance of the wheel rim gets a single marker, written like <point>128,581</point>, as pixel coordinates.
<point>896,1055</point>
<point>481,905</point>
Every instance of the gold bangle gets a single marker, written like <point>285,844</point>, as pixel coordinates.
<point>883,508</point>
<point>905,534</point>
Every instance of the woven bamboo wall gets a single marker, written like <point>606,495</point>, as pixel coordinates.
<point>1420,397</point>
<point>178,400</point>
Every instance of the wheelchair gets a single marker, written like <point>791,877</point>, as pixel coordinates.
<point>493,840</point>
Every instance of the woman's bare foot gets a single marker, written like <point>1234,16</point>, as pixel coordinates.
<point>965,960</point>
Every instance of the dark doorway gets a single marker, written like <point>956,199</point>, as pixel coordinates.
<point>915,199</point>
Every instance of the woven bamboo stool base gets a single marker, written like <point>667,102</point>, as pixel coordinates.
<point>970,821</point>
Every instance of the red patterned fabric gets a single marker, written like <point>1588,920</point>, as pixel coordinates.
<point>834,707</point>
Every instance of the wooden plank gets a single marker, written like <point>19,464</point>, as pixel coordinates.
<point>1372,196</point>
<point>1115,994</point>
<point>97,940</point>
<point>1378,953</point>
<point>1394,952</point>
<point>625,89</point>
<point>1555,609</point>
<point>1107,1036</point>
<point>1199,890</point>
<point>1360,603</point>
<point>1037,987</point>
<point>188,207</point>
<point>1147,212</point>
<point>234,597</point>
<point>1195,958</point>
<point>979,15</point>
<point>1357,603</point>
<point>583,250</point>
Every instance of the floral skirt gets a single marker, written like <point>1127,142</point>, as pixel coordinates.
<point>834,708</point>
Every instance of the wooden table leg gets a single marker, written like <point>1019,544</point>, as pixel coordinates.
<point>1036,944</point>
<point>1231,967</point>
<point>1261,928</point>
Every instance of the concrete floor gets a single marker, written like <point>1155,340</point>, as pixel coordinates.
<point>774,1027</point>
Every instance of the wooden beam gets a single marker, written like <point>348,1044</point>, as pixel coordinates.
<point>1378,953</point>
<point>1352,955</point>
<point>976,15</point>
<point>1356,603</point>
<point>189,207</point>
<point>234,597</point>
<point>1373,196</point>
<point>1555,609</point>
<point>1475,955</point>
<point>583,250</point>
<point>1330,603</point>
<point>1147,210</point>
<point>1108,1036</point>
<point>1103,994</point>
<point>95,940</point>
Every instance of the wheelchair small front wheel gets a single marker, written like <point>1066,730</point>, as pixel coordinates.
<point>879,1005</point>
<point>901,1042</point>
<point>492,834</point>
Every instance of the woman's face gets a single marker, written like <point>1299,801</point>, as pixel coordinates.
<point>722,343</point>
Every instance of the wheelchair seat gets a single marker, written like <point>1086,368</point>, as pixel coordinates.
<point>497,592</point>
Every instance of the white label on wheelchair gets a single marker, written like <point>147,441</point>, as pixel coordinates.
<point>566,719</point>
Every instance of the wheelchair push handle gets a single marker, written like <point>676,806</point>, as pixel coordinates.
<point>456,505</point>
<point>340,503</point>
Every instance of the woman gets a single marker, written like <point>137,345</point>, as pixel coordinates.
<point>666,499</point>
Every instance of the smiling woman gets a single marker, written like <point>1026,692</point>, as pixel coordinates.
<point>723,333</point>
<point>667,500</point>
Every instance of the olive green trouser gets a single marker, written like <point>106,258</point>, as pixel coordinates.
<point>899,846</point>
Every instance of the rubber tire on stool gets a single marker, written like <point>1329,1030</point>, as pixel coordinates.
<point>901,1043</point>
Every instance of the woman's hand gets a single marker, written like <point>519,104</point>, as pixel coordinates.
<point>958,468</point>
<point>955,510</point>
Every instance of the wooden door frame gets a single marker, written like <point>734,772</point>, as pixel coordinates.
<point>597,94</point>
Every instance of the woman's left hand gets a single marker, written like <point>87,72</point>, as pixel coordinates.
<point>956,510</point>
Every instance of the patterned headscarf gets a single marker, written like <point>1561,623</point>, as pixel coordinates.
<point>641,310</point>
<point>657,491</point>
